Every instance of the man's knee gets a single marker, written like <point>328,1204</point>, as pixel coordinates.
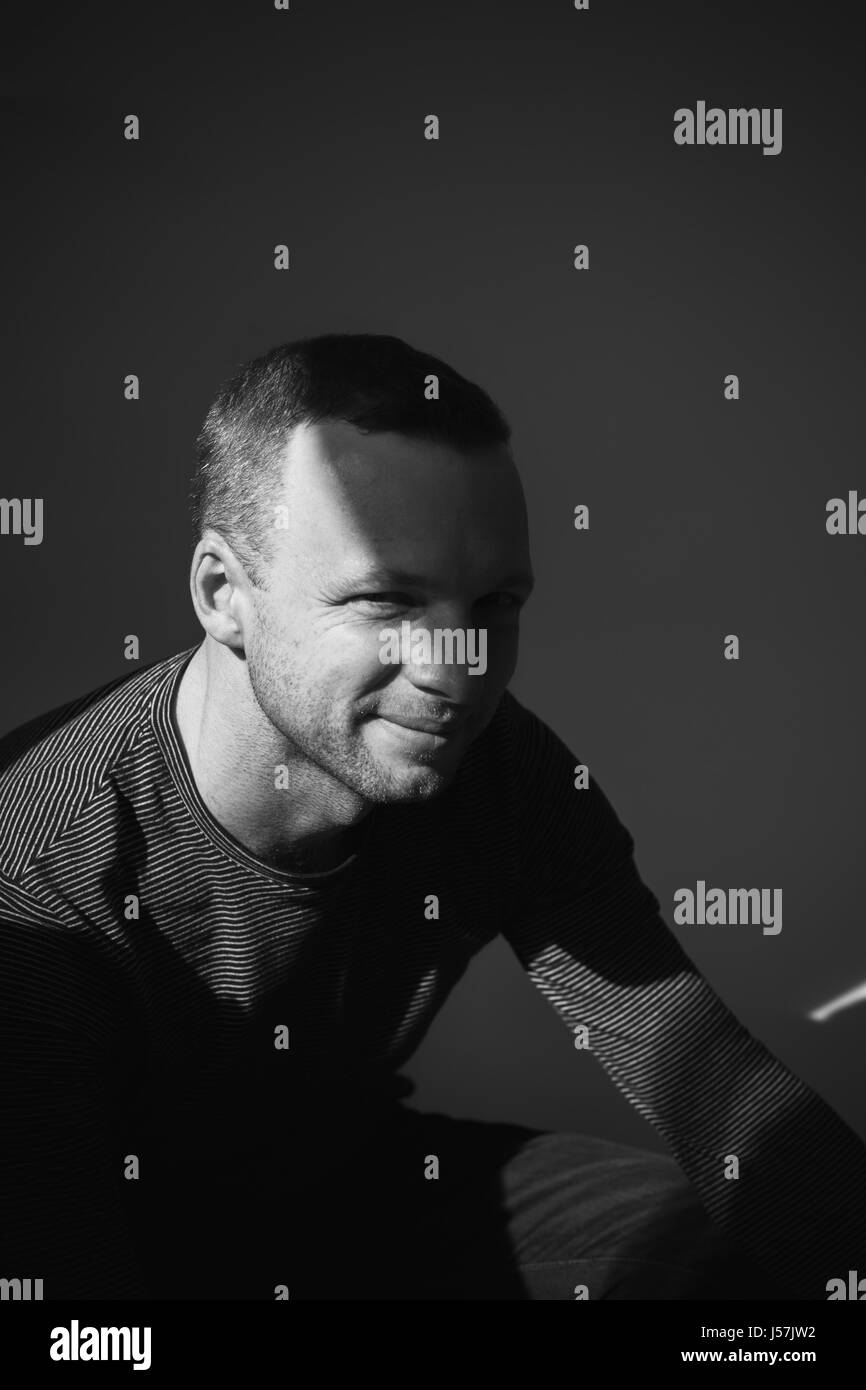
<point>627,1220</point>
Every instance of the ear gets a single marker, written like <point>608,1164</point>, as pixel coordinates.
<point>220,590</point>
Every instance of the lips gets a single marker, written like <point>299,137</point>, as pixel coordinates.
<point>442,727</point>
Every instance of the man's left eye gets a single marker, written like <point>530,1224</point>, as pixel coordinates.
<point>502,600</point>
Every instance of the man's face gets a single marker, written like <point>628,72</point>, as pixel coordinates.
<point>381,530</point>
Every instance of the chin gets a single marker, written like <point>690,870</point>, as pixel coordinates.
<point>417,784</point>
<point>408,769</point>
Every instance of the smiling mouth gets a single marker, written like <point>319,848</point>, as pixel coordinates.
<point>440,728</point>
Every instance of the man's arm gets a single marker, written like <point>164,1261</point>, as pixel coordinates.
<point>591,936</point>
<point>61,1209</point>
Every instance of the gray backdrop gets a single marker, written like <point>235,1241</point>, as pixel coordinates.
<point>707,516</point>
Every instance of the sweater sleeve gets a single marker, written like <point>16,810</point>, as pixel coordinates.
<point>591,936</point>
<point>62,1217</point>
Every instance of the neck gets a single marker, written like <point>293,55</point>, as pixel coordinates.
<point>233,751</point>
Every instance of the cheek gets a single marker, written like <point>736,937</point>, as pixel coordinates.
<point>346,660</point>
<point>502,648</point>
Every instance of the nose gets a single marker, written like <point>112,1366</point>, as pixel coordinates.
<point>442,659</point>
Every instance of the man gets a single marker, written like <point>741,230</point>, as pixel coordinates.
<point>237,885</point>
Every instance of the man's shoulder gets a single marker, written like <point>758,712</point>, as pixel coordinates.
<point>517,741</point>
<point>55,766</point>
<point>535,788</point>
<point>513,773</point>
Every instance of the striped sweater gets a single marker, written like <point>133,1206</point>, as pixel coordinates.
<point>149,964</point>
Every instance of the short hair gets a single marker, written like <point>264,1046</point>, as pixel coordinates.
<point>372,381</point>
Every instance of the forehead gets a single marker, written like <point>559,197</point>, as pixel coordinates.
<point>354,497</point>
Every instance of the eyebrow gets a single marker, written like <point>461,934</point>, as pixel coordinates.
<point>519,579</point>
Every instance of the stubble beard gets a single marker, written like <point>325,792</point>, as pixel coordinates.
<point>320,741</point>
